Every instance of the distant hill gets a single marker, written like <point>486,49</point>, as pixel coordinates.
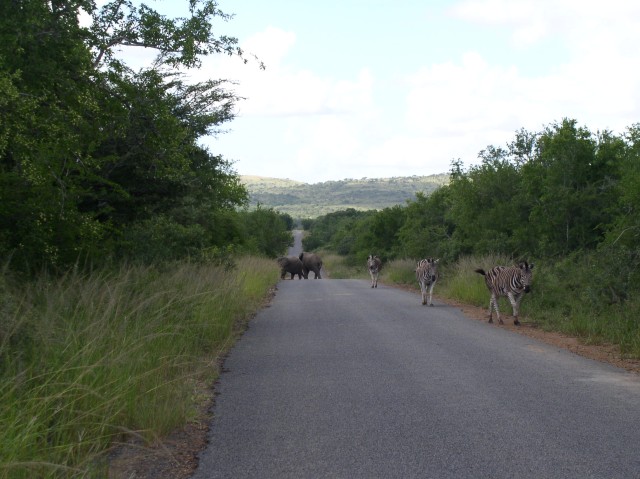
<point>304,200</point>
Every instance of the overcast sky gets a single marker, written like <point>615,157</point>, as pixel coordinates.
<point>381,88</point>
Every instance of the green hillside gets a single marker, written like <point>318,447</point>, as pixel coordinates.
<point>304,200</point>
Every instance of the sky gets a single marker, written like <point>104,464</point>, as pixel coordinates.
<point>382,88</point>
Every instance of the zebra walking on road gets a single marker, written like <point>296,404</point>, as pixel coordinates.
<point>512,282</point>
<point>427,275</point>
<point>374,264</point>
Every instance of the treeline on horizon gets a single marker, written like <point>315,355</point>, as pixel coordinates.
<point>563,196</point>
<point>102,164</point>
<point>303,200</point>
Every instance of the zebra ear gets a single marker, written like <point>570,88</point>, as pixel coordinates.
<point>531,266</point>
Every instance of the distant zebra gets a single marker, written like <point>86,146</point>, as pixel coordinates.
<point>427,275</point>
<point>512,282</point>
<point>374,264</point>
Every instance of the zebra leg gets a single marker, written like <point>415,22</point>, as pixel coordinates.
<point>515,303</point>
<point>491,309</point>
<point>423,290</point>
<point>431,294</point>
<point>494,303</point>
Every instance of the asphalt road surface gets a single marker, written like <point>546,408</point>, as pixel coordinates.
<point>338,380</point>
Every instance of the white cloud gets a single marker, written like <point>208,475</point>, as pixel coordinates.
<point>270,45</point>
<point>581,24</point>
<point>469,96</point>
<point>526,17</point>
<point>495,12</point>
<point>282,90</point>
<point>597,84</point>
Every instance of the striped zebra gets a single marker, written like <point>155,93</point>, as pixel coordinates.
<point>427,275</point>
<point>512,282</point>
<point>374,264</point>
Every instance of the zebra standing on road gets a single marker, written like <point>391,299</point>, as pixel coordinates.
<point>427,275</point>
<point>512,282</point>
<point>374,263</point>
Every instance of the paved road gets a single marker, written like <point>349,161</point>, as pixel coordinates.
<point>296,249</point>
<point>338,380</point>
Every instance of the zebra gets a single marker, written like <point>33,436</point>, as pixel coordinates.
<point>512,282</point>
<point>427,275</point>
<point>374,264</point>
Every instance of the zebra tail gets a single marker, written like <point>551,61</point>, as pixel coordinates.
<point>480,270</point>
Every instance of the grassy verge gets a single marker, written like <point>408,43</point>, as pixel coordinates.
<point>338,268</point>
<point>565,297</point>
<point>87,360</point>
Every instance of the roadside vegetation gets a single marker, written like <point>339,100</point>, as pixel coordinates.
<point>130,253</point>
<point>90,359</point>
<point>564,198</point>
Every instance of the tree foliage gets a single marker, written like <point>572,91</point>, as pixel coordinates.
<point>99,161</point>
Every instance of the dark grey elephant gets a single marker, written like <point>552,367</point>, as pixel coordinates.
<point>310,262</point>
<point>290,264</point>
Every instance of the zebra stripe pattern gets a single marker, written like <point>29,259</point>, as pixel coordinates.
<point>427,275</point>
<point>512,282</point>
<point>374,264</point>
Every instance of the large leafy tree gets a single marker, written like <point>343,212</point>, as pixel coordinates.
<point>571,183</point>
<point>427,230</point>
<point>46,73</point>
<point>89,147</point>
<point>178,41</point>
<point>490,207</point>
<point>625,229</point>
<point>486,205</point>
<point>378,233</point>
<point>149,158</point>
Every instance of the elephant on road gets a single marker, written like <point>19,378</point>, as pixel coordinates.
<point>311,262</point>
<point>290,264</point>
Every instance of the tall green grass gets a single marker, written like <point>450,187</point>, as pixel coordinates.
<point>459,281</point>
<point>400,271</point>
<point>338,268</point>
<point>87,360</point>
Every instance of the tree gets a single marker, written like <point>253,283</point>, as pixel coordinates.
<point>427,230</point>
<point>45,69</point>
<point>148,158</point>
<point>378,233</point>
<point>90,148</point>
<point>266,232</point>
<point>571,182</point>
<point>178,41</point>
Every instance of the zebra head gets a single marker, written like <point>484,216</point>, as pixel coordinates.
<point>430,267</point>
<point>526,275</point>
